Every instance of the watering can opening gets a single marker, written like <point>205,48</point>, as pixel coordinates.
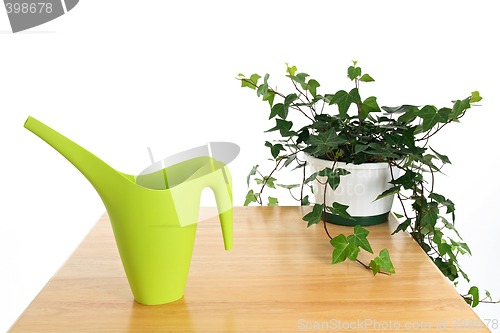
<point>188,165</point>
<point>159,177</point>
<point>185,175</point>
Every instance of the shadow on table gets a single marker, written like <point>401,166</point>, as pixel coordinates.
<point>173,316</point>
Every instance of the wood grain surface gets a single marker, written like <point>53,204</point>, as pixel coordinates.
<point>278,278</point>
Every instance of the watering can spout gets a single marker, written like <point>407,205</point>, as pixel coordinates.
<point>97,172</point>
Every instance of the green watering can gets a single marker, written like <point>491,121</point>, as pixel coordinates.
<point>154,215</point>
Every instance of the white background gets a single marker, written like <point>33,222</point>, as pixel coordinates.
<point>118,76</point>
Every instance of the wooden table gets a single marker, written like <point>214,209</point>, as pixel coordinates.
<point>278,278</point>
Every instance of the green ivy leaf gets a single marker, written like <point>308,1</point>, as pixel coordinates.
<point>290,70</point>
<point>399,109</point>
<point>428,159</point>
<point>325,142</point>
<point>429,217</point>
<point>339,209</point>
<point>278,110</point>
<point>288,187</point>
<point>359,148</point>
<point>402,226</point>
<point>275,149</point>
<point>443,249</point>
<point>368,106</point>
<point>251,197</point>
<point>283,126</point>
<point>262,89</point>
<point>464,275</point>
<point>399,216</point>
<point>488,295</point>
<point>268,180</point>
<point>289,160</point>
<point>383,261</point>
<point>342,172</point>
<point>437,197</point>
<point>358,238</point>
<point>251,82</point>
<point>314,216</point>
<point>301,79</point>
<point>447,268</point>
<point>303,135</point>
<point>438,236</point>
<point>474,293</point>
<point>408,136</point>
<point>444,113</point>
<point>475,97</point>
<point>344,99</point>
<point>431,116</point>
<point>463,248</point>
<point>312,85</point>
<point>408,180</point>
<point>450,206</point>
<point>311,178</point>
<point>272,201</point>
<point>333,176</point>
<point>366,78</point>
<point>269,97</point>
<point>289,99</point>
<point>342,249</point>
<point>375,267</point>
<point>252,173</point>
<point>408,117</point>
<point>458,108</point>
<point>443,158</point>
<point>305,201</point>
<point>353,72</point>
<point>255,78</point>
<point>450,226</point>
<point>391,191</point>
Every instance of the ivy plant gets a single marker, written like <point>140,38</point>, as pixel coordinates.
<point>343,127</point>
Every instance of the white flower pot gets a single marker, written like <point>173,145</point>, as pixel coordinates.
<point>358,190</point>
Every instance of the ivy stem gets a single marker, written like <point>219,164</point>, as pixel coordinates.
<point>280,95</point>
<point>432,180</point>
<point>326,229</point>
<point>369,268</point>
<point>303,181</point>
<point>363,264</point>
<point>438,128</point>
<point>264,180</point>
<point>484,301</point>
<point>324,203</point>
<point>391,164</point>
<point>305,95</point>
<point>418,221</point>
<point>324,199</point>
<point>489,302</point>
